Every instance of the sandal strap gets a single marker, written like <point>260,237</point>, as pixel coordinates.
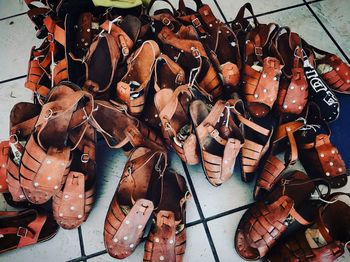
<point>4,153</point>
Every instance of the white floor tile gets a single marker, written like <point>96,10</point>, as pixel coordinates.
<point>335,17</point>
<point>11,93</point>
<point>13,7</point>
<point>213,200</point>
<point>231,8</point>
<point>17,39</point>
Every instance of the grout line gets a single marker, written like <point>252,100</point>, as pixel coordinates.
<point>228,212</point>
<point>200,211</point>
<point>81,241</point>
<point>11,16</point>
<point>326,30</point>
<point>193,223</point>
<point>12,79</point>
<point>220,10</point>
<point>279,10</point>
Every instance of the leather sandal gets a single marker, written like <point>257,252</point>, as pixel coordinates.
<point>192,57</point>
<point>326,240</point>
<point>131,207</point>
<point>177,128</point>
<point>109,117</point>
<point>133,87</point>
<point>23,117</point>
<point>48,147</point>
<point>72,205</point>
<point>4,154</point>
<point>283,141</point>
<point>167,239</point>
<point>293,90</point>
<point>286,208</point>
<point>167,74</point>
<point>261,72</point>
<point>24,228</point>
<point>219,138</point>
<point>319,157</point>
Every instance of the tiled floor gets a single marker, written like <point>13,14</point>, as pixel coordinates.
<point>213,213</point>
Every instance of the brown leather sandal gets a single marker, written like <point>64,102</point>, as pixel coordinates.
<point>192,57</point>
<point>133,87</point>
<point>4,154</point>
<point>261,73</point>
<point>131,207</point>
<point>267,220</point>
<point>318,155</point>
<point>23,117</point>
<point>24,228</point>
<point>167,240</point>
<point>48,147</point>
<point>283,141</point>
<point>293,90</point>
<point>177,129</point>
<point>167,74</point>
<point>219,138</point>
<point>72,205</point>
<point>326,240</point>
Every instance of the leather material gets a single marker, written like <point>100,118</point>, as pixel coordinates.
<point>261,88</point>
<point>4,152</point>
<point>230,73</point>
<point>216,138</point>
<point>87,28</point>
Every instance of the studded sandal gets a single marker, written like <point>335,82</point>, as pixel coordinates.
<point>133,87</point>
<point>325,240</point>
<point>318,155</point>
<point>24,228</point>
<point>219,138</point>
<point>131,207</point>
<point>261,72</point>
<point>293,89</point>
<point>274,167</point>
<point>167,239</point>
<point>46,160</point>
<point>177,128</point>
<point>286,208</point>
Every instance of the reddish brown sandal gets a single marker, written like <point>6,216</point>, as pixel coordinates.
<point>4,154</point>
<point>326,240</point>
<point>167,240</point>
<point>131,207</point>
<point>219,138</point>
<point>24,228</point>
<point>282,211</point>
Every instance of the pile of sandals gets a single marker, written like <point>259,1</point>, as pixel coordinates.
<point>176,79</point>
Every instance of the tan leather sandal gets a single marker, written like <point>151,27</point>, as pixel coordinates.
<point>133,87</point>
<point>72,205</point>
<point>285,209</point>
<point>293,90</point>
<point>326,240</point>
<point>48,147</point>
<point>283,141</point>
<point>131,207</point>
<point>167,239</point>
<point>24,228</point>
<point>319,157</point>
<point>261,73</point>
<point>177,128</point>
<point>167,74</point>
<point>219,138</point>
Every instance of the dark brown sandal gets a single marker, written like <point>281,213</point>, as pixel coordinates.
<point>219,138</point>
<point>286,208</point>
<point>131,207</point>
<point>167,240</point>
<point>319,157</point>
<point>283,141</point>
<point>261,73</point>
<point>72,205</point>
<point>24,228</point>
<point>326,240</point>
<point>177,128</point>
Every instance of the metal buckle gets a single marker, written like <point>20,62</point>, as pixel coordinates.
<point>50,37</point>
<point>22,232</point>
<point>166,21</point>
<point>125,51</point>
<point>240,27</point>
<point>214,133</point>
<point>196,23</point>
<point>179,79</point>
<point>296,50</point>
<point>195,52</point>
<point>258,51</point>
<point>85,158</point>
